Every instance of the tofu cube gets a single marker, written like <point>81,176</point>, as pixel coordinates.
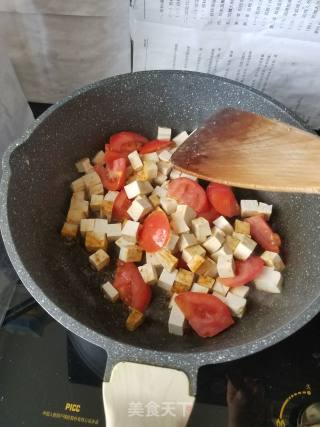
<point>171,301</point>
<point>96,189</point>
<point>244,248</point>
<point>99,158</point>
<point>165,155</point>
<point>196,287</point>
<point>233,242</point>
<point>99,260</point>
<point>69,231</point>
<point>148,273</point>
<point>269,280</point>
<point>160,178</point>
<point>178,224</point>
<point>167,260</point>
<point>164,134</point>
<point>84,165</point>
<point>174,174</point>
<point>179,288</point>
<point>265,209</point>
<point>185,277</point>
<point>236,304</point>
<point>135,161</point>
<point>172,243</point>
<point>241,291</point>
<point>167,279</point>
<point>196,262</point>
<point>213,243</point>
<point>114,231</point>
<point>206,281</point>
<point>123,242</point>
<point>138,188</point>
<point>139,208</point>
<point>273,259</point>
<point>78,195</point>
<point>201,229</point>
<point>134,320</point>
<point>160,191</point>
<point>223,225</point>
<point>164,167</point>
<point>96,202</point>
<point>111,196</point>
<point>130,230</point>
<point>154,200</point>
<point>100,226</point>
<point>186,240</point>
<point>78,185</point>
<point>242,227</point>
<point>95,241</point>
<point>186,213</point>
<point>75,216</point>
<point>110,292</point>
<point>225,266</point>
<point>151,258</point>
<point>208,268</point>
<point>130,253</point>
<point>93,183</point>
<point>249,208</point>
<point>180,138</point>
<point>220,288</point>
<point>153,157</point>
<point>148,172</point>
<point>191,251</point>
<point>86,225</point>
<point>224,250</point>
<point>177,321</point>
<point>168,204</point>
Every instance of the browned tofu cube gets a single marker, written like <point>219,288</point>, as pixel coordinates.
<point>106,209</point>
<point>206,281</point>
<point>185,278</point>
<point>96,202</point>
<point>178,288</point>
<point>134,320</point>
<point>232,243</point>
<point>95,241</point>
<point>99,259</point>
<point>242,227</point>
<point>195,263</point>
<point>69,231</point>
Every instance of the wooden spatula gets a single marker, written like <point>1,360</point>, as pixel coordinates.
<point>243,149</point>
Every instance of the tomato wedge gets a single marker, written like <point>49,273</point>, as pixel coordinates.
<point>209,214</point>
<point>126,142</point>
<point>113,178</point>
<point>223,200</point>
<point>155,232</point>
<point>110,156</point>
<point>154,145</point>
<point>263,233</point>
<point>120,207</point>
<point>207,315</point>
<point>246,271</point>
<point>132,289</point>
<point>188,192</point>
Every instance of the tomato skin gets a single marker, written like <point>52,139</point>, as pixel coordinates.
<point>207,315</point>
<point>154,145</point>
<point>110,156</point>
<point>133,291</point>
<point>246,271</point>
<point>120,207</point>
<point>223,200</point>
<point>126,141</point>
<point>189,192</point>
<point>155,232</point>
<point>263,234</point>
<point>113,178</point>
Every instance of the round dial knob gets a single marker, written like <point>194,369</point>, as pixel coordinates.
<point>310,416</point>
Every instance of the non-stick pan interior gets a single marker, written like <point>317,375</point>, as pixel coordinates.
<point>43,167</point>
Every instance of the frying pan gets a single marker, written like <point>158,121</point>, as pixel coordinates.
<point>37,171</point>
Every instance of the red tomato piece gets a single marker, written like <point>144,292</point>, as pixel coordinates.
<point>113,178</point>
<point>154,145</point>
<point>132,289</point>
<point>263,234</point>
<point>120,207</point>
<point>188,192</point>
<point>126,142</point>
<point>223,200</point>
<point>246,271</point>
<point>155,232</point>
<point>209,214</point>
<point>207,315</point>
<point>110,156</point>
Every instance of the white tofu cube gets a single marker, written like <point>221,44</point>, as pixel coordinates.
<point>137,188</point>
<point>178,225</point>
<point>100,226</point>
<point>99,260</point>
<point>220,297</point>
<point>176,321</point>
<point>84,165</point>
<point>153,157</point>
<point>224,250</point>
<point>189,176</point>
<point>96,202</point>
<point>223,225</point>
<point>265,209</point>
<point>186,213</point>
<point>165,155</point>
<point>244,248</point>
<point>208,269</point>
<point>148,273</point>
<point>172,301</point>
<point>220,288</point>
<point>241,291</point>
<point>111,196</point>
<point>249,208</point>
<point>165,184</point>
<point>225,266</point>
<point>213,243</point>
<point>269,280</point>
<point>160,191</point>
<point>201,229</point>
<point>110,292</point>
<point>135,161</point>
<point>86,225</point>
<point>99,158</point>
<point>236,304</point>
<point>167,279</point>
<point>139,208</point>
<point>123,242</point>
<point>189,252</point>
<point>273,259</point>
<point>174,174</point>
<point>78,185</point>
<point>168,204</point>
<point>160,178</point>
<point>130,253</point>
<point>199,288</point>
<point>150,169</point>
<point>91,179</point>
<point>166,259</point>
<point>180,138</point>
<point>151,258</point>
<point>172,243</point>
<point>164,134</point>
<point>186,240</point>
<point>130,230</point>
<point>164,167</point>
<point>114,231</point>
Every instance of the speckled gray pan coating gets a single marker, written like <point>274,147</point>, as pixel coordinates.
<point>38,168</point>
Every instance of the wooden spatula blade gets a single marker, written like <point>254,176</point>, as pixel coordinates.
<point>243,149</point>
